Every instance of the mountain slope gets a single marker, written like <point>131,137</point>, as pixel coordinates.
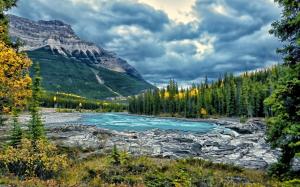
<point>69,64</point>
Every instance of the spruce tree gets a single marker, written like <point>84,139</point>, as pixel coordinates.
<point>16,133</point>
<point>36,127</point>
<point>115,156</point>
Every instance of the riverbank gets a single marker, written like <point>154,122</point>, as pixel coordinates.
<point>154,157</point>
<point>241,144</point>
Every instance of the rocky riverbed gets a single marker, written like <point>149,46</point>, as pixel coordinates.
<point>240,144</point>
<point>244,146</point>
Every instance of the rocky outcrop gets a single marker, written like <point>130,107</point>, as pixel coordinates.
<point>223,145</point>
<point>60,38</point>
<point>83,137</point>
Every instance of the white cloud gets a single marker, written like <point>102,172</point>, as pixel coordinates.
<point>177,10</point>
<point>219,9</point>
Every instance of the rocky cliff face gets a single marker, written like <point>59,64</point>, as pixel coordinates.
<point>60,38</point>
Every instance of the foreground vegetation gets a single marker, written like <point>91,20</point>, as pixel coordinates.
<point>121,169</point>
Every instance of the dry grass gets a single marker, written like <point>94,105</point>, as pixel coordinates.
<point>145,171</point>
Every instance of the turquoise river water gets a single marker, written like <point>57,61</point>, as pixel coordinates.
<point>124,122</point>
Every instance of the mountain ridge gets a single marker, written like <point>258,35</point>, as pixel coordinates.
<point>56,42</point>
<point>62,39</point>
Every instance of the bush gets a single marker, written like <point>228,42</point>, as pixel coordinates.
<point>158,180</point>
<point>182,178</point>
<point>243,119</point>
<point>291,183</point>
<point>115,158</point>
<point>26,160</point>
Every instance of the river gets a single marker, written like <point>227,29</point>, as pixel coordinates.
<point>124,122</point>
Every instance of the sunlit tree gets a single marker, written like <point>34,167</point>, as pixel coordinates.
<point>14,79</point>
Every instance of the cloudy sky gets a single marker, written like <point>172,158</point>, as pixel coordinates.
<point>163,39</point>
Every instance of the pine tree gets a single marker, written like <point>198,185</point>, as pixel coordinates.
<point>16,133</point>
<point>36,127</point>
<point>156,107</point>
<point>115,156</point>
<point>284,127</point>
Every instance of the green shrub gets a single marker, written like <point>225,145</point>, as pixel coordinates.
<point>137,168</point>
<point>158,179</point>
<point>115,158</point>
<point>292,183</point>
<point>243,119</point>
<point>182,178</point>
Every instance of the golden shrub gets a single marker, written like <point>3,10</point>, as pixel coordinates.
<point>28,160</point>
<point>203,111</point>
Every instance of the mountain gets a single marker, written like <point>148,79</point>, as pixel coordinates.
<point>71,65</point>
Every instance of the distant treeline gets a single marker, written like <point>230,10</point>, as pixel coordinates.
<point>230,95</point>
<point>71,101</point>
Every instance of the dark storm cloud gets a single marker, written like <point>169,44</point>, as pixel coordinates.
<point>181,31</point>
<point>137,14</point>
<point>228,36</point>
<point>231,19</point>
<point>98,25</point>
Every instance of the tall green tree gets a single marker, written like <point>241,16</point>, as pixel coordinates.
<point>16,133</point>
<point>284,127</point>
<point>36,127</point>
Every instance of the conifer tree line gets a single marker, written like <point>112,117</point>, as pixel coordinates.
<point>230,95</point>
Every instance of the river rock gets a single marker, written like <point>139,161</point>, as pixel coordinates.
<point>231,142</point>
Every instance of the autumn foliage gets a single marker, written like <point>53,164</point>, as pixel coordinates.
<point>14,78</point>
<point>27,160</point>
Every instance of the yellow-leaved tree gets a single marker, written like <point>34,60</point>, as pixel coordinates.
<point>203,112</point>
<point>14,79</point>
